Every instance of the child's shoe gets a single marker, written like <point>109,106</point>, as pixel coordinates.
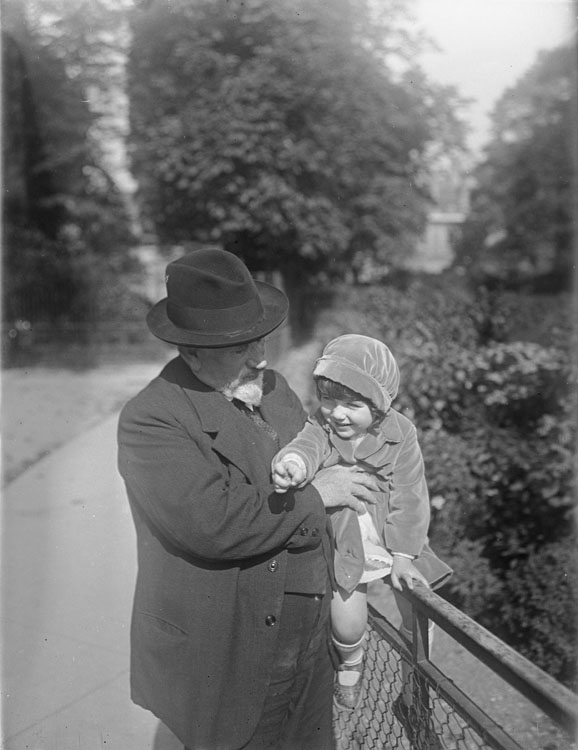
<point>347,689</point>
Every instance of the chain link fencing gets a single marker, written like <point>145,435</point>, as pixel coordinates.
<point>440,716</point>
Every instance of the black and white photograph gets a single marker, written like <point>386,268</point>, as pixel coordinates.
<point>289,375</point>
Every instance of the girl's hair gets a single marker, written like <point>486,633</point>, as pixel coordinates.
<point>327,388</point>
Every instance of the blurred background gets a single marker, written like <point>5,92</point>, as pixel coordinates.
<point>333,147</point>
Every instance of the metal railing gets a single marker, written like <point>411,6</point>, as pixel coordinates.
<point>437,714</point>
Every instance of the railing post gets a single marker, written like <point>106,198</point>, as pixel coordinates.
<point>420,651</point>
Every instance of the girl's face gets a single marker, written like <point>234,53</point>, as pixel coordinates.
<point>348,418</point>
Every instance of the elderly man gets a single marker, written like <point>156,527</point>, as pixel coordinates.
<point>229,633</point>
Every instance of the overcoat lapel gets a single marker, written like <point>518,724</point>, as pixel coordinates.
<point>280,416</point>
<point>232,434</point>
<point>245,445</point>
<point>230,430</point>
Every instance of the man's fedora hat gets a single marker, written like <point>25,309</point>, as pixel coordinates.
<point>212,301</point>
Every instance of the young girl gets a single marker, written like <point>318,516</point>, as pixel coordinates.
<point>357,379</point>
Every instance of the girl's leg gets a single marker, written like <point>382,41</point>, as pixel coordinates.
<point>349,622</point>
<point>349,614</point>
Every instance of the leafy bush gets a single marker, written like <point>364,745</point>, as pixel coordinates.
<point>539,608</point>
<point>516,382</point>
<point>475,586</point>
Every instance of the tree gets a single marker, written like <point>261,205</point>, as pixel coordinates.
<point>280,129</point>
<point>63,211</point>
<point>520,223</point>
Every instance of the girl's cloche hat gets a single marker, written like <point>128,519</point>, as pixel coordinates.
<point>363,364</point>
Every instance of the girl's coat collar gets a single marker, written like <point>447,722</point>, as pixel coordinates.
<point>389,431</point>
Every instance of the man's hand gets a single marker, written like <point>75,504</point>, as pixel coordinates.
<point>341,486</point>
<point>403,569</point>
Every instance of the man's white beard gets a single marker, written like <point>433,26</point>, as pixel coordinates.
<point>249,392</point>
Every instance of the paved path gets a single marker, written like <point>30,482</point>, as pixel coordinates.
<point>68,569</point>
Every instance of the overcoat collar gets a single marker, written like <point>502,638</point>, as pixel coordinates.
<point>231,430</point>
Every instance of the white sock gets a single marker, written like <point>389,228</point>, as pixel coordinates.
<point>351,654</point>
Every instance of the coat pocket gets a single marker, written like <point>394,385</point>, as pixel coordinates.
<point>151,622</point>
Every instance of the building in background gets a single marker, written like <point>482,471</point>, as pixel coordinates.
<point>450,188</point>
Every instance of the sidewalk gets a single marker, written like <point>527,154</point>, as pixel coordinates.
<point>68,569</point>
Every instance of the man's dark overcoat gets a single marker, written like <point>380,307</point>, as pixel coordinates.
<point>213,540</point>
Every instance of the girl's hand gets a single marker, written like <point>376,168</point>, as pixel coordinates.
<point>404,570</point>
<point>287,474</point>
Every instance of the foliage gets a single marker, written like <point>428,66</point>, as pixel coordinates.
<point>45,281</point>
<point>475,585</point>
<point>540,596</point>
<point>497,426</point>
<point>520,224</point>
<point>280,130</point>
<point>32,257</point>
<point>63,211</point>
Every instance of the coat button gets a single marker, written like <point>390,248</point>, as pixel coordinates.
<point>314,532</point>
<point>273,565</point>
<point>304,531</point>
<point>270,620</point>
